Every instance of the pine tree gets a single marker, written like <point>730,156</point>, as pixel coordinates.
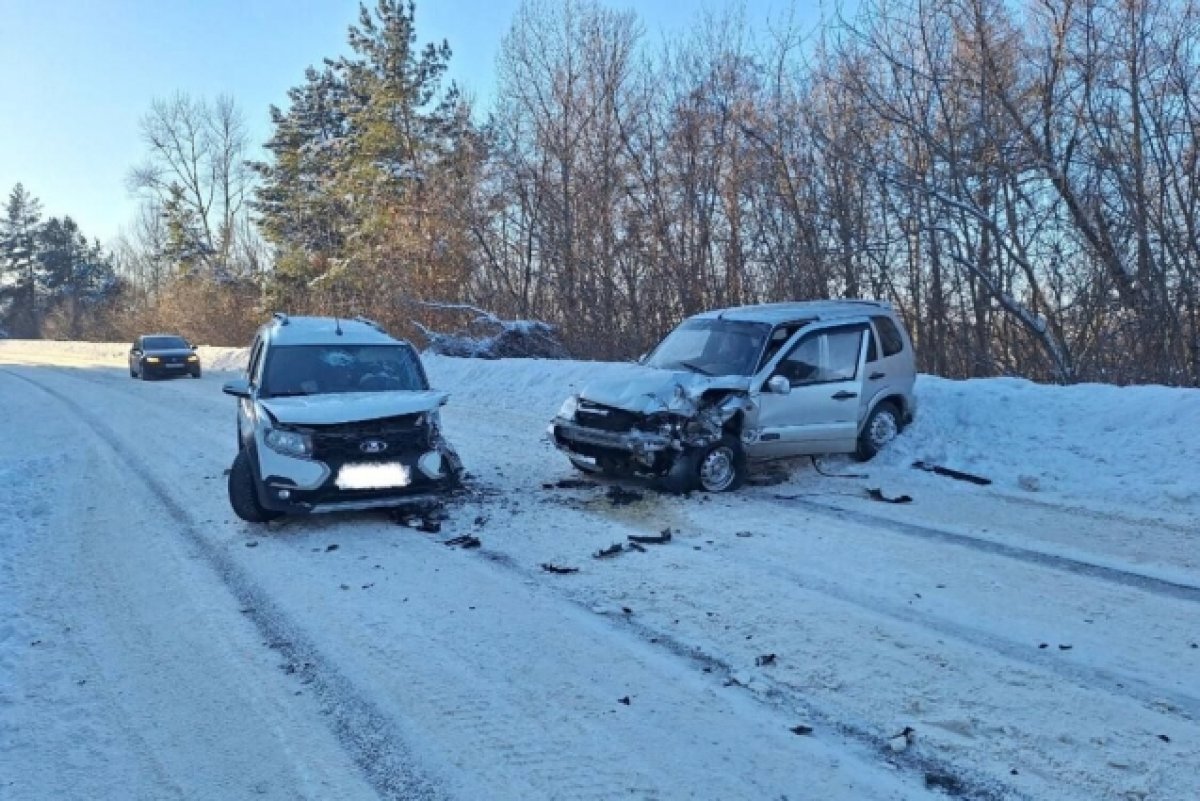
<point>19,228</point>
<point>73,276</point>
<point>357,198</point>
<point>299,209</point>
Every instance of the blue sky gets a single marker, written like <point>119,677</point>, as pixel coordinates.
<point>77,75</point>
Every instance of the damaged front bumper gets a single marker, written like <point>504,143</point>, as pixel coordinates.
<point>584,441</point>
<point>342,479</point>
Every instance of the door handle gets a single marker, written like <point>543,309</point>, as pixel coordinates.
<point>877,376</point>
<point>844,395</point>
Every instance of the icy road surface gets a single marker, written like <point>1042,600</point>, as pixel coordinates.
<point>1039,637</point>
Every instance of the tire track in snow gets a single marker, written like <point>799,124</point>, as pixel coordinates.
<point>1066,564</point>
<point>368,735</point>
<point>1149,695</point>
<point>969,784</point>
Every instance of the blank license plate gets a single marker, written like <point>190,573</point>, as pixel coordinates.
<point>373,476</point>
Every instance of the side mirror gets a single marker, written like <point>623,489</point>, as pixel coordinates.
<point>779,385</point>
<point>239,388</point>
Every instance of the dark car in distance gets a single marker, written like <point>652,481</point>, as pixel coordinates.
<point>162,355</point>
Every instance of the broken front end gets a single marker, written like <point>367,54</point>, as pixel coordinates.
<point>685,440</point>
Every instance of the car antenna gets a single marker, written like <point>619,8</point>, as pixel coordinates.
<point>337,324</point>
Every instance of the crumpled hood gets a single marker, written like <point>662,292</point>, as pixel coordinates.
<point>351,407</point>
<point>646,390</point>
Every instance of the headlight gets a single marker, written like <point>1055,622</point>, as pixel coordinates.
<point>193,358</point>
<point>569,407</point>
<point>152,360</point>
<point>289,443</point>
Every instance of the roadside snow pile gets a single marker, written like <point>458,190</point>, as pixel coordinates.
<point>1127,445</point>
<point>229,359</point>
<point>109,353</point>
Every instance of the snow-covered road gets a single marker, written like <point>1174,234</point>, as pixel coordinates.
<point>1039,644</point>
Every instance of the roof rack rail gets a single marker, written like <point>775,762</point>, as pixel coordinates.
<point>368,321</point>
<point>281,317</point>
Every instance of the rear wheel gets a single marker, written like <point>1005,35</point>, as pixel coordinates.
<point>883,425</point>
<point>242,492</point>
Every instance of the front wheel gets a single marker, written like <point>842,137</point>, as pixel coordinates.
<point>883,425</point>
<point>720,467</point>
<point>242,492</point>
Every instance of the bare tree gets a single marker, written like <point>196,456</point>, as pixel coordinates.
<point>196,173</point>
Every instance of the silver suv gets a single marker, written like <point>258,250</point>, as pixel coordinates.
<point>335,415</point>
<point>748,384</point>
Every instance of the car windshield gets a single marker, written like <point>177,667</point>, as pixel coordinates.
<point>712,346</point>
<point>321,369</point>
<point>164,343</point>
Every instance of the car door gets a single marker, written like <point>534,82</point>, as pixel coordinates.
<point>824,370</point>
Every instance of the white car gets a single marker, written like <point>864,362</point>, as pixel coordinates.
<point>335,415</point>
<point>752,383</point>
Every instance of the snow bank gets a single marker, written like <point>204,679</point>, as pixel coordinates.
<point>1133,445</point>
<point>1092,443</point>
<point>108,353</point>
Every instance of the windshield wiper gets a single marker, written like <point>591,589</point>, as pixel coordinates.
<point>695,368</point>
<point>296,394</point>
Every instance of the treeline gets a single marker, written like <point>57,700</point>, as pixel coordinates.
<point>53,281</point>
<point>1021,178</point>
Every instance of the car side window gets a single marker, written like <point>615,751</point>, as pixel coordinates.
<point>823,357</point>
<point>889,336</point>
<point>872,347</point>
<point>778,339</point>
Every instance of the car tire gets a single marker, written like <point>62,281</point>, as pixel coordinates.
<point>132,373</point>
<point>142,374</point>
<point>882,426</point>
<point>243,496</point>
<point>196,374</point>
<point>719,467</point>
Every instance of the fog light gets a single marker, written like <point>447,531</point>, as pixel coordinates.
<point>284,494</point>
<point>430,464</point>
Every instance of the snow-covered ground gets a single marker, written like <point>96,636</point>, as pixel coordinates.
<point>1039,635</point>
